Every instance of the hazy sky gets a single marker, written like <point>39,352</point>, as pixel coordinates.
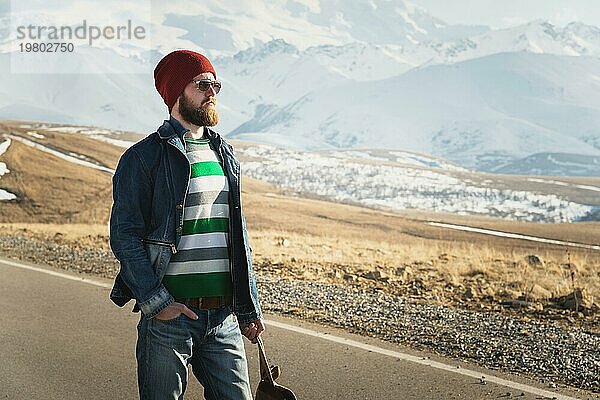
<point>503,13</point>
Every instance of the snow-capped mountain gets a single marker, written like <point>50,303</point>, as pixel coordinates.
<point>507,105</point>
<point>119,101</point>
<point>225,27</point>
<point>317,74</point>
<point>541,37</point>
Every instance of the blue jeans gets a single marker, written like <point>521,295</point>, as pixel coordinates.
<point>212,344</point>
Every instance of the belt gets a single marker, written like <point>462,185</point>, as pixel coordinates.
<point>206,303</point>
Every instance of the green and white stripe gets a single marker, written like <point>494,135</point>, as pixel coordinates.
<point>201,265</point>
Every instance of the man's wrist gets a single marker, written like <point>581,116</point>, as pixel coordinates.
<point>156,303</point>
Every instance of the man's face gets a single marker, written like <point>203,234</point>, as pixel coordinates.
<point>199,107</point>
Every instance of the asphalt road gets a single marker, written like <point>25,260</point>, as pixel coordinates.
<point>62,338</point>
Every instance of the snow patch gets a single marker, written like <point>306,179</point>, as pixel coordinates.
<point>401,187</point>
<point>3,169</point>
<point>74,158</point>
<point>36,135</point>
<point>5,195</point>
<point>95,133</point>
<point>117,142</point>
<point>423,161</point>
<point>4,146</point>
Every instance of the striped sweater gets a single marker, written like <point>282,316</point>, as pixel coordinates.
<point>201,265</point>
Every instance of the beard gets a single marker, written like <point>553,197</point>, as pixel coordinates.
<point>205,115</point>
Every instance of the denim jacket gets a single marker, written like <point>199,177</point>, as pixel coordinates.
<point>149,189</point>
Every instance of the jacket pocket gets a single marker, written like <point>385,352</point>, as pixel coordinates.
<point>159,253</point>
<point>161,243</point>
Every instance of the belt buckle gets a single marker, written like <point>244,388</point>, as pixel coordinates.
<point>202,303</point>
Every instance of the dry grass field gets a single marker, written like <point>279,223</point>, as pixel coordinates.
<point>311,239</point>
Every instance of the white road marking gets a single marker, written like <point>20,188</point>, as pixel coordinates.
<point>514,235</point>
<point>347,342</point>
<point>419,360</point>
<point>58,274</point>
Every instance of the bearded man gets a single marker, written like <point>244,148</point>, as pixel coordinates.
<point>179,233</point>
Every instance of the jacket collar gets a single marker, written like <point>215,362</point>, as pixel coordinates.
<point>172,127</point>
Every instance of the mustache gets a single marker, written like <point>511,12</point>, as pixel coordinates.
<point>210,100</point>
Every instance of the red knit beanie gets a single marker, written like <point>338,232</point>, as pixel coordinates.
<point>176,70</point>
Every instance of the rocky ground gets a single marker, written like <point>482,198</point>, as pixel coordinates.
<point>556,352</point>
<point>422,281</point>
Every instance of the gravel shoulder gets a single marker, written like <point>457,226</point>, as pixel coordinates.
<point>553,352</point>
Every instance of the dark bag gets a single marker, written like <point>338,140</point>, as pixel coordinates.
<point>267,388</point>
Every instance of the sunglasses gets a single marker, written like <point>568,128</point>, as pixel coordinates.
<point>205,84</point>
